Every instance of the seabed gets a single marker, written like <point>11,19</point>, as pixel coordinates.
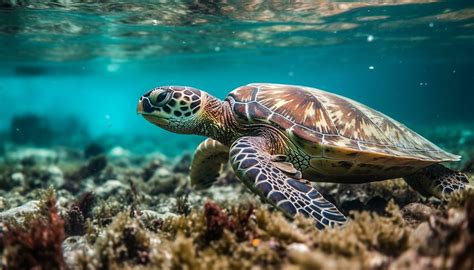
<point>111,208</point>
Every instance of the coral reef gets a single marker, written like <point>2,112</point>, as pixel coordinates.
<point>116,209</point>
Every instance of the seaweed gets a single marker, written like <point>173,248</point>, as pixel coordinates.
<point>182,206</point>
<point>143,215</point>
<point>104,213</point>
<point>36,243</point>
<point>134,200</point>
<point>85,203</point>
<point>125,242</point>
<point>76,214</point>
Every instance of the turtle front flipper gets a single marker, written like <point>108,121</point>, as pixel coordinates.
<point>437,180</point>
<point>207,163</point>
<point>279,183</point>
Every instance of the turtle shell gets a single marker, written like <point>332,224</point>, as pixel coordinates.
<point>331,126</point>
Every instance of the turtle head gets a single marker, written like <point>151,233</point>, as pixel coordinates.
<point>174,108</point>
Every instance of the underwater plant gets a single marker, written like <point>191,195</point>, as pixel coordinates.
<point>37,243</point>
<point>76,215</point>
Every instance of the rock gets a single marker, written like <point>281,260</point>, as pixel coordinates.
<point>421,233</point>
<point>20,211</point>
<point>373,196</point>
<point>56,176</point>
<point>359,197</point>
<point>165,184</point>
<point>93,167</point>
<point>150,168</point>
<point>3,204</point>
<point>93,149</point>
<point>298,247</point>
<point>414,213</point>
<point>74,248</point>
<point>32,156</point>
<point>109,188</point>
<point>162,172</point>
<point>118,152</point>
<point>17,179</point>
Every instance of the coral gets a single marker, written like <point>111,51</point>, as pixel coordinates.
<point>125,242</point>
<point>9,178</point>
<point>444,242</point>
<point>106,210</point>
<point>85,203</point>
<point>215,238</point>
<point>143,214</point>
<point>93,149</point>
<point>74,218</point>
<point>26,178</point>
<point>37,243</point>
<point>74,222</point>
<point>241,238</point>
<point>367,232</point>
<point>94,166</point>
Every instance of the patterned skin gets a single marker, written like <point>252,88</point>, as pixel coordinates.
<point>278,136</point>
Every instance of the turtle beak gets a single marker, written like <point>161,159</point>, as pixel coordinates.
<point>140,106</point>
<point>144,106</point>
<point>145,109</point>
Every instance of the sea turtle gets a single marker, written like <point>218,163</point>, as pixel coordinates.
<point>277,136</point>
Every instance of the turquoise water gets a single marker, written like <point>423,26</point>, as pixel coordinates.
<point>87,64</point>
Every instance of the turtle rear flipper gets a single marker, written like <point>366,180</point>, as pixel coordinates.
<point>437,180</point>
<point>207,163</point>
<point>279,184</point>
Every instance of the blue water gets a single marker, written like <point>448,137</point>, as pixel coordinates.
<point>412,60</point>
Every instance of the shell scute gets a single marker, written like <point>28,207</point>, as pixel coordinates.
<point>260,113</point>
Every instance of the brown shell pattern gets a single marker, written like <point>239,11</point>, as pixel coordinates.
<point>316,116</point>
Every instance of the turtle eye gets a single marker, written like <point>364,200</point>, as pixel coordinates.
<point>161,99</point>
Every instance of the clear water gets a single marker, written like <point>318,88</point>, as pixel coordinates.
<point>412,60</point>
